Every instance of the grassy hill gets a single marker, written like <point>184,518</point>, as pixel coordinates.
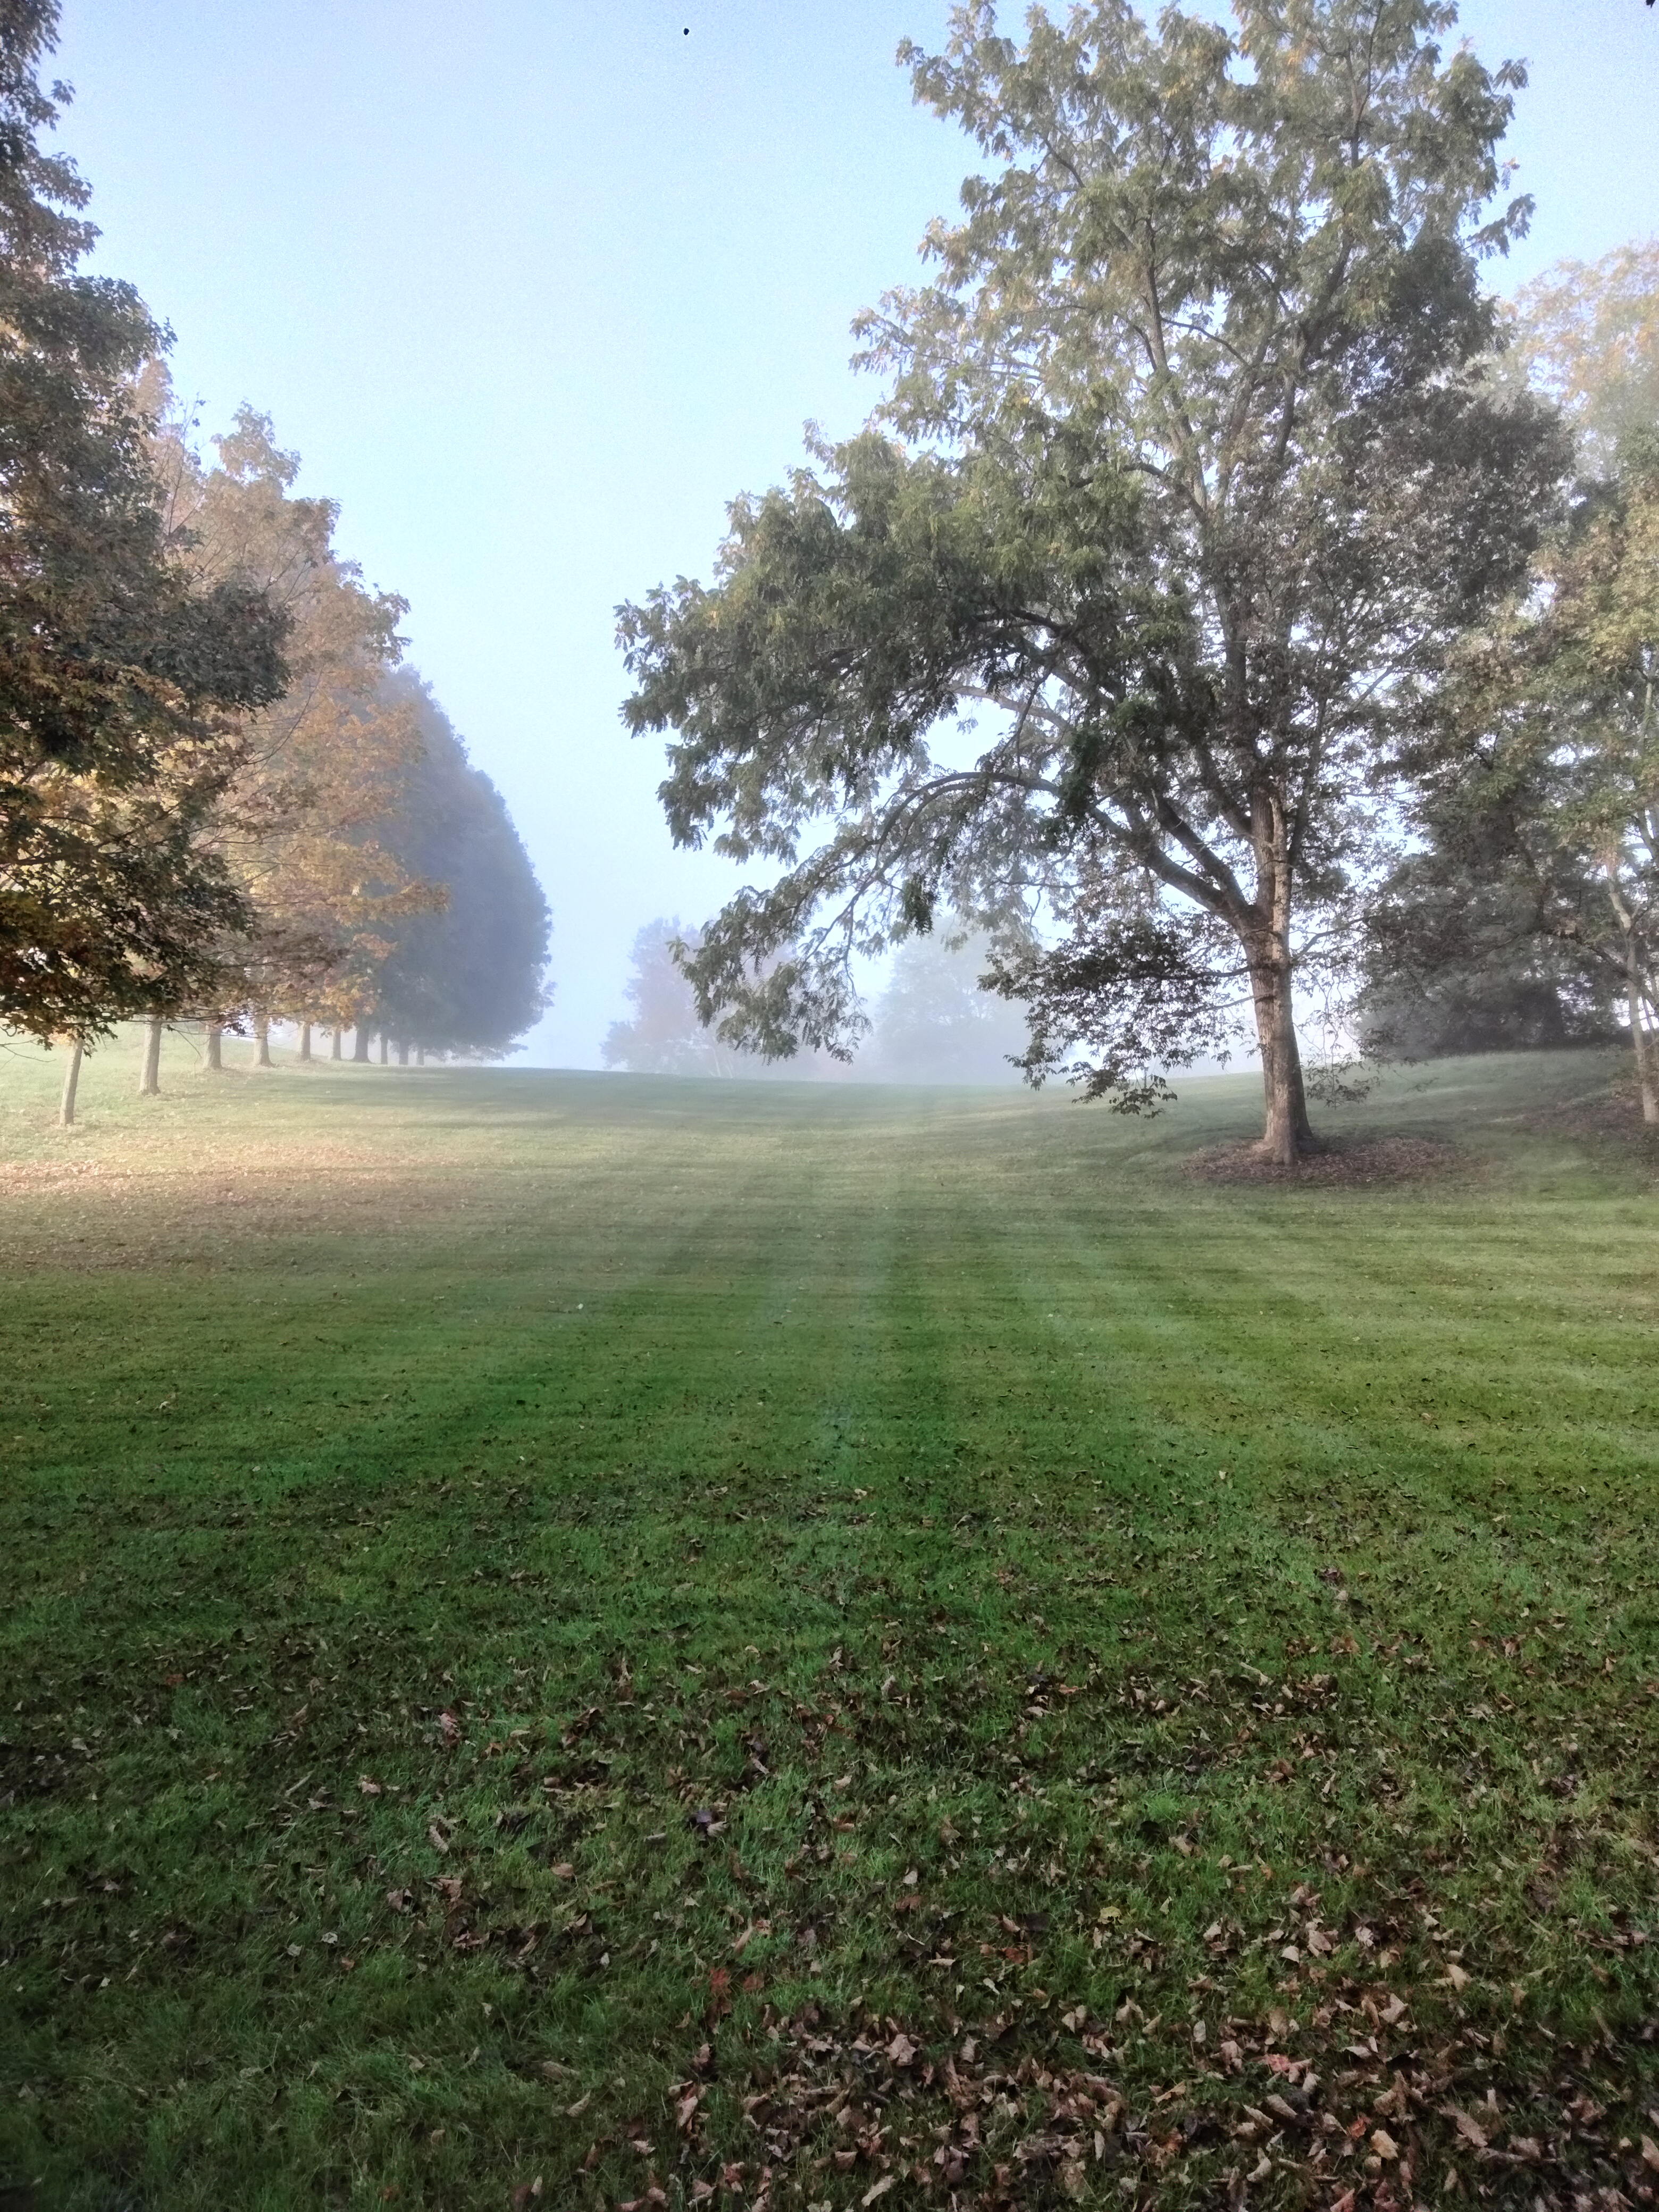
<point>671,1642</point>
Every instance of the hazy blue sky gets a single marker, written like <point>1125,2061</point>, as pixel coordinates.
<point>535,288</point>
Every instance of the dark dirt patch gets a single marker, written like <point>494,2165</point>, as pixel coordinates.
<point>1362,1163</point>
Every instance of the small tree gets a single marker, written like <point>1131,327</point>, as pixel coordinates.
<point>1184,478</point>
<point>662,1035</point>
<point>935,1021</point>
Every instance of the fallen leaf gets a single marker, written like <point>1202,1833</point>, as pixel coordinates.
<point>901,2050</point>
<point>1455,1975</point>
<point>440,1841</point>
<point>1383,2143</point>
<point>563,1872</point>
<point>1471,2130</point>
<point>878,2189</point>
<point>369,1789</point>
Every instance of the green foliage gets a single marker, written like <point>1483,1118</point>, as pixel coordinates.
<point>1170,1577</point>
<point>1538,782</point>
<point>120,679</point>
<point>1185,474</point>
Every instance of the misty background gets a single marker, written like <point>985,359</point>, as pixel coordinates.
<point>534,289</point>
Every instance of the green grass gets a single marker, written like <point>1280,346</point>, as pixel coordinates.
<point>755,1642</point>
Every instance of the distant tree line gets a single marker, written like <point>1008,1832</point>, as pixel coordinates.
<point>932,1021</point>
<point>221,800</point>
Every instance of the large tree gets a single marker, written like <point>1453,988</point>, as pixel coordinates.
<point>122,678</point>
<point>1184,482</point>
<point>470,974</point>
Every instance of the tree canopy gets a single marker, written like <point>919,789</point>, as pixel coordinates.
<point>1185,481</point>
<point>123,678</point>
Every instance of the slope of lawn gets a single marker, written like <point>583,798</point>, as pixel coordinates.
<point>595,1640</point>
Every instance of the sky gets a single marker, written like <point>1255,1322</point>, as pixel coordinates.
<point>536,287</point>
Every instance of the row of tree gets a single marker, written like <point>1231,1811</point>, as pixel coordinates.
<point>931,1023</point>
<point>221,796</point>
<point>1295,600</point>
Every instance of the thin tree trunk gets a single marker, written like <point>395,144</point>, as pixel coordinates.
<point>383,1049</point>
<point>335,1034</point>
<point>403,1055</point>
<point>1643,1045</point>
<point>419,1055</point>
<point>305,1039</point>
<point>216,1036</point>
<point>261,1040</point>
<point>71,1083</point>
<point>149,1080</point>
<point>360,1043</point>
<point>1287,1133</point>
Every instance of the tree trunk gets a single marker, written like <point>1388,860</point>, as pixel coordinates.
<point>262,1039</point>
<point>71,1083</point>
<point>403,1055</point>
<point>215,1034</point>
<point>149,1080</point>
<point>1287,1133</point>
<point>383,1049</point>
<point>360,1043</point>
<point>419,1055</point>
<point>1643,1046</point>
<point>335,1037</point>
<point>305,1039</point>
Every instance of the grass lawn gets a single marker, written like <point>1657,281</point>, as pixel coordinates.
<point>593,1640</point>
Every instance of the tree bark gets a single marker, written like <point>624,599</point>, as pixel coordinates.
<point>384,1048</point>
<point>261,1040</point>
<point>215,1034</point>
<point>360,1043</point>
<point>335,1037</point>
<point>305,1039</point>
<point>1643,1047</point>
<point>71,1083</point>
<point>150,1077</point>
<point>1287,1133</point>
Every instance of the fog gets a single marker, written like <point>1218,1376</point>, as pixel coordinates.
<point>535,290</point>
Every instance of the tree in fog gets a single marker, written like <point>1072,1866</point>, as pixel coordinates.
<point>1185,480</point>
<point>469,976</point>
<point>661,1034</point>
<point>123,679</point>
<point>1539,813</point>
<point>935,1021</point>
